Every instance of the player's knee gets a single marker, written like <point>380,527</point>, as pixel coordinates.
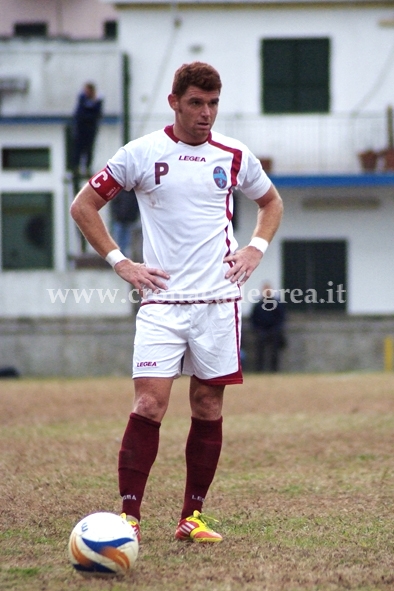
<point>207,402</point>
<point>150,406</point>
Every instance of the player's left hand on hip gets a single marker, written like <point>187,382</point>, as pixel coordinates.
<point>244,262</point>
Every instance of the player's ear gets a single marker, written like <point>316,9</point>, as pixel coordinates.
<point>173,101</point>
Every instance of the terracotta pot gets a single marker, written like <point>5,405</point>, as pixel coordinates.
<point>368,160</point>
<point>388,156</point>
<point>266,163</point>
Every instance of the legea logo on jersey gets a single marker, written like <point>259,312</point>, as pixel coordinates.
<point>193,158</point>
<point>220,177</point>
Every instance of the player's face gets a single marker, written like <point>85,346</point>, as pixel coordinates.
<point>195,114</point>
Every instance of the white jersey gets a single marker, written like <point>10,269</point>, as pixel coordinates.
<point>185,198</point>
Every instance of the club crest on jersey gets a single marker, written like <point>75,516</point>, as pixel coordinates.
<point>220,177</point>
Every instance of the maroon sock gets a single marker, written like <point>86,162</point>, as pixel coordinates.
<point>202,456</point>
<point>136,456</point>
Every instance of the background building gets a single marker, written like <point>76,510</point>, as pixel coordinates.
<point>307,85</point>
<point>71,19</point>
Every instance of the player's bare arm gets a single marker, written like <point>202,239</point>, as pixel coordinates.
<point>85,212</point>
<point>269,215</point>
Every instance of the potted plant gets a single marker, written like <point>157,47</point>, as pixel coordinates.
<point>368,160</point>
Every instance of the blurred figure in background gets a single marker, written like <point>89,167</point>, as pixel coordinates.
<point>125,215</point>
<point>86,119</point>
<point>268,321</point>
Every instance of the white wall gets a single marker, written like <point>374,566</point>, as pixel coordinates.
<point>51,181</point>
<point>56,295</point>
<point>161,39</point>
<point>367,231</point>
<point>56,71</point>
<point>54,180</point>
<point>362,79</point>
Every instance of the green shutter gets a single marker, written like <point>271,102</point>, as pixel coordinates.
<point>319,265</point>
<point>295,75</point>
<point>26,231</point>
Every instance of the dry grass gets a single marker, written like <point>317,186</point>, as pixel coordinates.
<point>304,489</point>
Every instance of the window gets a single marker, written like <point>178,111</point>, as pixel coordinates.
<point>25,158</point>
<point>314,273</point>
<point>31,29</point>
<point>295,75</point>
<point>110,30</point>
<point>26,231</point>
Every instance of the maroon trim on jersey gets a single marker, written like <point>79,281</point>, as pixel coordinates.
<point>237,159</point>
<point>235,168</point>
<point>182,302</point>
<point>169,130</point>
<point>105,185</point>
<point>231,378</point>
<point>229,216</point>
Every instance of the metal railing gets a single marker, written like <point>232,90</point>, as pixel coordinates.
<point>316,144</point>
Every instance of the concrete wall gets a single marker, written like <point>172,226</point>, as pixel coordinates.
<point>329,343</point>
<point>74,347</point>
<point>68,346</point>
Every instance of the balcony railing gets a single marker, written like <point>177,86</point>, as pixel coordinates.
<point>298,144</point>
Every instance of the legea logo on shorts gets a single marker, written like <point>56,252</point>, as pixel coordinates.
<point>146,364</point>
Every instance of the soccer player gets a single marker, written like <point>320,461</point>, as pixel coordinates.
<point>189,320</point>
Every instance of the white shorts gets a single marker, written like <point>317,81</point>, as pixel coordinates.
<point>195,339</point>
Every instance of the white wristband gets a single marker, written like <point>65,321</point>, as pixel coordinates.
<point>115,256</point>
<point>259,243</point>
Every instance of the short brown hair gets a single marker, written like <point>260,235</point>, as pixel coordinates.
<point>197,74</point>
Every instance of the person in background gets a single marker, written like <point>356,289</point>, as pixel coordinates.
<point>268,322</point>
<point>125,215</point>
<point>86,118</point>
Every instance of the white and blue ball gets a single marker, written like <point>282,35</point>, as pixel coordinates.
<point>103,544</point>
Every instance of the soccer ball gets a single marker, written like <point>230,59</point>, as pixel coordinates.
<point>103,544</point>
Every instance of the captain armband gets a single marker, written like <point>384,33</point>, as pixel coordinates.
<point>105,185</point>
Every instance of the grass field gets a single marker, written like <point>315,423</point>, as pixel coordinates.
<point>304,490</point>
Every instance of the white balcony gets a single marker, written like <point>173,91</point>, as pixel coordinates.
<point>300,144</point>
